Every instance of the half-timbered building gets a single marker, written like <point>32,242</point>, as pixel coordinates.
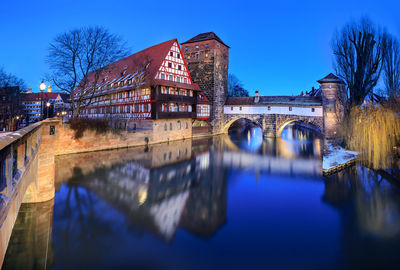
<point>153,84</point>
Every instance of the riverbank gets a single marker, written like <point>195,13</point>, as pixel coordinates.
<point>336,158</point>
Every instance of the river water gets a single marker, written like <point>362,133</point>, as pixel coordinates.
<point>228,202</point>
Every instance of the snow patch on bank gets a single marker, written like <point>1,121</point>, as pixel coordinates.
<point>336,155</point>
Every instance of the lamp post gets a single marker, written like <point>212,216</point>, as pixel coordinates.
<point>47,105</point>
<point>42,86</point>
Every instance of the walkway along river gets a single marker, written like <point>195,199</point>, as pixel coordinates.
<point>228,202</point>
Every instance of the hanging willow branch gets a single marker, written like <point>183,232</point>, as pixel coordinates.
<point>374,131</point>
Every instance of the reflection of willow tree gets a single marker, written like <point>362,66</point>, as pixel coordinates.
<point>374,131</point>
<point>370,216</point>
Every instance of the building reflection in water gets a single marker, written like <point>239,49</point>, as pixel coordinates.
<point>30,245</point>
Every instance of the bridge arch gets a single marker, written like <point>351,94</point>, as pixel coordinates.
<point>314,124</point>
<point>229,121</point>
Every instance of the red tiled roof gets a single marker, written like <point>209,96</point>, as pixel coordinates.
<point>152,56</point>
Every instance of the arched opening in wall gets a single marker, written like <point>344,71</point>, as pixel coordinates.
<point>200,126</point>
<point>246,134</point>
<point>297,138</point>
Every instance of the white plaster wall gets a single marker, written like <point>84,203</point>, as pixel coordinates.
<point>301,111</point>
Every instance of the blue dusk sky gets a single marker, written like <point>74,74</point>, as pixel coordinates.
<point>277,47</point>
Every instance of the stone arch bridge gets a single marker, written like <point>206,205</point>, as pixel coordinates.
<point>272,114</point>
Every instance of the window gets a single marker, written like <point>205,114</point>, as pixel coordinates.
<point>162,76</point>
<point>171,78</point>
<point>231,108</point>
<point>171,91</point>
<point>207,45</point>
<point>191,93</point>
<point>197,46</point>
<point>178,79</point>
<point>182,92</point>
<point>178,55</point>
<point>179,124</point>
<point>189,108</point>
<point>197,56</point>
<point>163,90</point>
<point>170,65</point>
<point>290,108</point>
<point>187,48</point>
<point>165,128</point>
<point>312,109</point>
<point>179,67</point>
<point>164,107</point>
<point>171,53</point>
<point>172,107</point>
<point>240,108</point>
<point>269,108</point>
<point>170,128</point>
<point>182,107</point>
<point>185,80</point>
<point>187,126</point>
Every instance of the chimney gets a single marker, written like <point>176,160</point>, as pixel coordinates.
<point>256,98</point>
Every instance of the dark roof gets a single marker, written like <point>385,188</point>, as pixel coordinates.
<point>205,36</point>
<point>330,78</point>
<point>38,96</point>
<point>276,100</point>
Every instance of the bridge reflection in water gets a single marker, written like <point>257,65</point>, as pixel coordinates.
<point>112,208</point>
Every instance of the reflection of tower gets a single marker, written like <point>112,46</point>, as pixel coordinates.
<point>205,210</point>
<point>30,245</point>
<point>207,58</point>
<point>333,90</point>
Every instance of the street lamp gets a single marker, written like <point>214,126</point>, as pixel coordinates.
<point>47,105</point>
<point>42,86</point>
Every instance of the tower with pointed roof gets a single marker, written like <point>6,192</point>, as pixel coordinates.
<point>333,98</point>
<point>207,57</point>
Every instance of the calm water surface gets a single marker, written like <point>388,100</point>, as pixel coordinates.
<point>233,202</point>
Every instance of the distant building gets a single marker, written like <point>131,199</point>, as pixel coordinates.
<point>10,108</point>
<point>31,105</point>
<point>149,86</point>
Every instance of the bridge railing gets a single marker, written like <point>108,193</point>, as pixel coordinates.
<point>18,169</point>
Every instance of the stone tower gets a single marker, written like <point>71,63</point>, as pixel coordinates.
<point>333,98</point>
<point>207,57</point>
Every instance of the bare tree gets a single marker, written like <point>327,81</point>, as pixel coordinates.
<point>359,49</point>
<point>9,80</point>
<point>235,87</point>
<point>79,58</point>
<point>391,67</point>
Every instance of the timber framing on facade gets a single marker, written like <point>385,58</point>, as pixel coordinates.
<point>152,84</point>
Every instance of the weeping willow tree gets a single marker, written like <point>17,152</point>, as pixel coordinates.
<point>373,131</point>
